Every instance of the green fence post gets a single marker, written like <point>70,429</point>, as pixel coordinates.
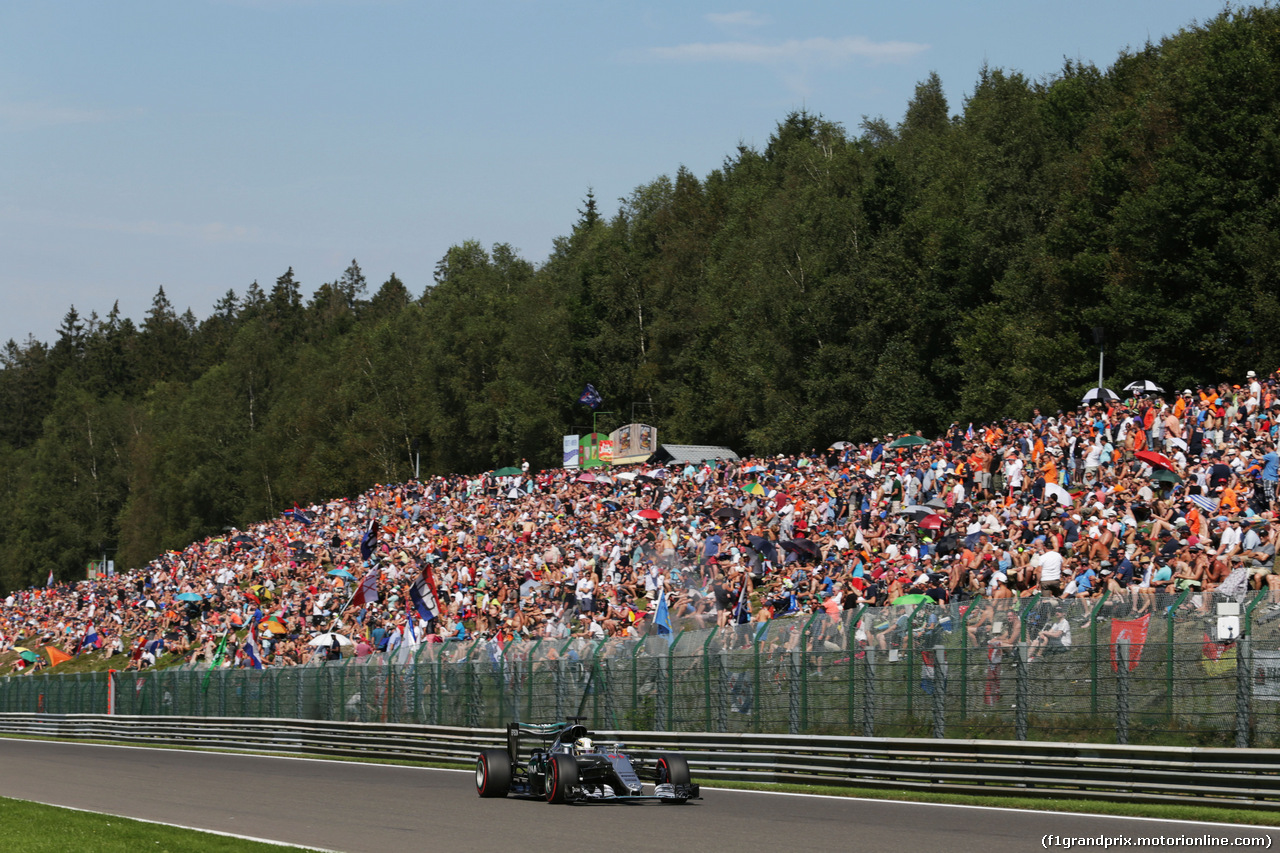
<point>911,656</point>
<point>528,679</point>
<point>964,658</point>
<point>1246,628</point>
<point>597,677</point>
<point>1022,615</point>
<point>757,693</point>
<point>635,681</point>
<point>706,675</point>
<point>1168,686</point>
<point>805,639</point>
<point>1093,645</point>
<point>671,681</point>
<point>851,643</point>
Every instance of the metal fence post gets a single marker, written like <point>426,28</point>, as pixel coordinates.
<point>869,695</point>
<point>1168,679</point>
<point>706,675</point>
<point>1122,691</point>
<point>1022,691</point>
<point>1093,652</point>
<point>795,665</point>
<point>964,661</point>
<point>940,691</point>
<point>1244,689</point>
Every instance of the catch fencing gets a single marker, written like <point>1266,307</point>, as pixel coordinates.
<point>908,671</point>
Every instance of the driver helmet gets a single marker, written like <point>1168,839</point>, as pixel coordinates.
<point>583,745</point>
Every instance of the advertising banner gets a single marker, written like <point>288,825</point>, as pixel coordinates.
<point>570,448</point>
<point>633,442</point>
<point>589,450</point>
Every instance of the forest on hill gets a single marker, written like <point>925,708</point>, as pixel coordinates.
<point>837,284</point>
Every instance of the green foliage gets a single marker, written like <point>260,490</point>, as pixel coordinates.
<point>830,286</point>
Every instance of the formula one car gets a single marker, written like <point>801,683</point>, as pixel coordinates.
<point>566,766</point>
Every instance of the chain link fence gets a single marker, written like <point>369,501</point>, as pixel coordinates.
<point>1137,669</point>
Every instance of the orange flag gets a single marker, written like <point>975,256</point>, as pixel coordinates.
<point>56,656</point>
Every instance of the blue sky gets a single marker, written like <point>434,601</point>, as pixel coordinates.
<point>199,146</point>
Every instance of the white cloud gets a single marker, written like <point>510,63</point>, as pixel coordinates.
<point>737,19</point>
<point>831,51</point>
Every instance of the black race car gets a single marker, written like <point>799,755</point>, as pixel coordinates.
<point>566,766</point>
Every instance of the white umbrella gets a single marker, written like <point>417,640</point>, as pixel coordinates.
<point>327,640</point>
<point>1144,386</point>
<point>1176,442</point>
<point>1099,395</point>
<point>1056,491</point>
<point>626,475</point>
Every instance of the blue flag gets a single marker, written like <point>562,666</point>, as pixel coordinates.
<point>252,651</point>
<point>591,397</point>
<point>663,617</point>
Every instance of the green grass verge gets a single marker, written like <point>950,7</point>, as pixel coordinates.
<point>1191,812</point>
<point>37,828</point>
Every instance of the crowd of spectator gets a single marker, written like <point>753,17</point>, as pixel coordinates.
<point>1154,493</point>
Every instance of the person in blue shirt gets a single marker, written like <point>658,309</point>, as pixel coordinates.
<point>1270,474</point>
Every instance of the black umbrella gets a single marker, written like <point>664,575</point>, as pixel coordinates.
<point>727,512</point>
<point>297,543</point>
<point>803,546</point>
<point>242,540</point>
<point>645,478</point>
<point>1099,395</point>
<point>764,547</point>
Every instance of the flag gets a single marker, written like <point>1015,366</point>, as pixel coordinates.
<point>1218,658</point>
<point>369,541</point>
<point>91,640</point>
<point>1205,503</point>
<point>662,619</point>
<point>424,597</point>
<point>300,515</point>
<point>408,638</point>
<point>969,432</point>
<point>217,660</point>
<point>367,591</point>
<point>56,656</point>
<point>49,582</point>
<point>1133,630</point>
<point>928,670</point>
<point>252,651</point>
<point>591,397</point>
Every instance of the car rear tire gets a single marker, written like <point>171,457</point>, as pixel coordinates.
<point>562,774</point>
<point>493,773</point>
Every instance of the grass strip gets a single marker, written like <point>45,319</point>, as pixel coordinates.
<point>38,828</point>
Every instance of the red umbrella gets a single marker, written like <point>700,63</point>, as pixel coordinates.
<point>931,522</point>
<point>780,500</point>
<point>586,478</point>
<point>650,514</point>
<point>1157,459</point>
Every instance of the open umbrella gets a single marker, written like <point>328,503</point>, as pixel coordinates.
<point>649,515</point>
<point>1176,442</point>
<point>931,522</point>
<point>586,478</point>
<point>780,500</point>
<point>328,639</point>
<point>342,573</point>
<point>841,445</point>
<point>913,598</point>
<point>27,655</point>
<point>242,539</point>
<point>754,469</point>
<point>937,503</point>
<point>1166,477</point>
<point>803,546</point>
<point>727,512</point>
<point>1055,491</point>
<point>754,489</point>
<point>188,596</point>
<point>509,471</point>
<point>764,547</point>
<point>1158,460</point>
<point>907,441</point>
<point>1143,386</point>
<point>915,512</point>
<point>626,475</point>
<point>1099,395</point>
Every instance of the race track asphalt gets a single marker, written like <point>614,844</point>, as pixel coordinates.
<point>358,807</point>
